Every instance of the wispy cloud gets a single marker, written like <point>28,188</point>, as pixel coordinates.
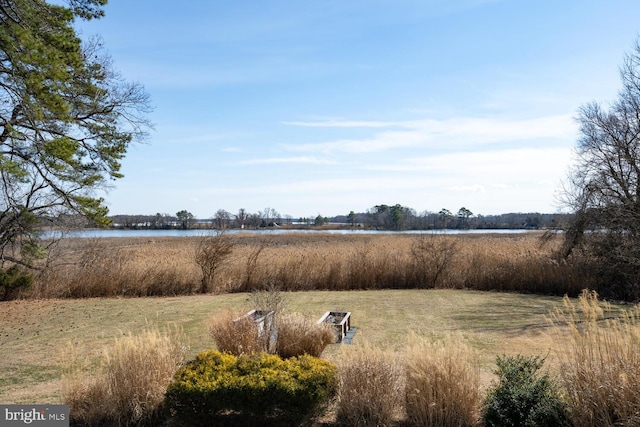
<point>476,188</point>
<point>514,164</point>
<point>345,124</point>
<point>380,142</point>
<point>455,133</point>
<point>275,160</point>
<point>231,150</point>
<point>179,135</point>
<point>318,187</point>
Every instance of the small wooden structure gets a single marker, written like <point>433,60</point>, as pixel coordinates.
<point>340,320</point>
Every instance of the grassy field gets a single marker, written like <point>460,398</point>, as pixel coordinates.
<point>38,337</point>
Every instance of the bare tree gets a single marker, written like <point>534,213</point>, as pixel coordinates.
<point>433,256</point>
<point>211,253</point>
<point>241,218</point>
<point>269,216</point>
<point>604,186</point>
<point>222,219</point>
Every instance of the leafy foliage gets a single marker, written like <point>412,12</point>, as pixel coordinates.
<point>523,397</point>
<point>66,118</point>
<point>13,279</point>
<point>254,387</point>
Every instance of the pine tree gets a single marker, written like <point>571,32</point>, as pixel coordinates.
<point>67,119</point>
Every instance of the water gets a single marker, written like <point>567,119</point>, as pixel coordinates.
<point>95,233</point>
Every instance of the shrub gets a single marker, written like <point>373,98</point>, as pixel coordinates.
<point>13,279</point>
<point>298,334</point>
<point>294,335</point>
<point>442,383</point>
<point>130,388</point>
<point>370,387</point>
<point>210,254</point>
<point>258,387</point>
<point>600,362</point>
<point>522,396</point>
<point>270,298</point>
<point>236,334</point>
<point>433,257</point>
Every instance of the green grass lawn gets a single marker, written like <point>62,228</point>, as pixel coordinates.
<point>37,337</point>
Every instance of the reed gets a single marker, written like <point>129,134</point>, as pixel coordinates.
<point>300,262</point>
<point>599,361</point>
<point>442,383</point>
<point>131,384</point>
<point>299,334</point>
<point>371,387</point>
<point>236,334</point>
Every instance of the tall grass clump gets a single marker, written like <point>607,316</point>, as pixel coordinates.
<point>237,334</point>
<point>370,391</point>
<point>442,383</point>
<point>299,334</point>
<point>122,267</point>
<point>600,361</point>
<point>288,335</point>
<point>130,387</point>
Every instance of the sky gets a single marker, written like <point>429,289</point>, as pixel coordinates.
<point>326,107</point>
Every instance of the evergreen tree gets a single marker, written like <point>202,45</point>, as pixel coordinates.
<point>67,119</point>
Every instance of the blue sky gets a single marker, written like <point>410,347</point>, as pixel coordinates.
<point>323,107</point>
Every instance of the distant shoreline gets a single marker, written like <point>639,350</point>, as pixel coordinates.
<point>117,233</point>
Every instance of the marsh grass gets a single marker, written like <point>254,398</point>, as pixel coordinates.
<point>131,382</point>
<point>236,334</point>
<point>371,386</point>
<point>86,268</point>
<point>599,361</point>
<point>294,334</point>
<point>442,383</point>
<point>302,262</point>
<point>300,334</point>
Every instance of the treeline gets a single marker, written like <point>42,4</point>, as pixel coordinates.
<point>379,217</point>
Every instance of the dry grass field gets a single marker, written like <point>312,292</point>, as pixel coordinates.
<point>113,267</point>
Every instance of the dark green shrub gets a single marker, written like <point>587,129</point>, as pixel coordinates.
<point>523,397</point>
<point>12,279</point>
<point>251,389</point>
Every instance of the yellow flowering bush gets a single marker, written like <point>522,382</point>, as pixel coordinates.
<point>259,385</point>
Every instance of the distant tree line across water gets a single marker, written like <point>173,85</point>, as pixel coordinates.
<point>380,217</point>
